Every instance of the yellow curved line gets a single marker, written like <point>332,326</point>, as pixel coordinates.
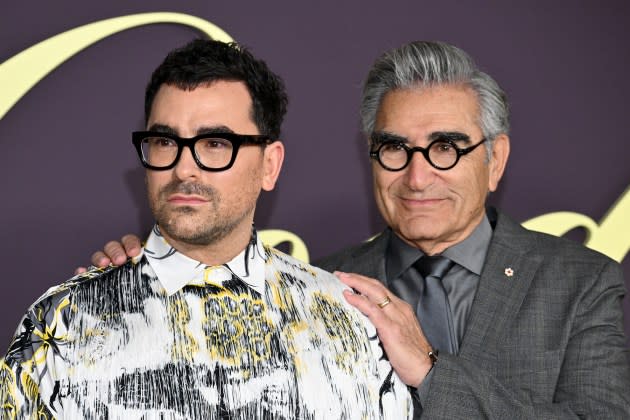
<point>615,241</point>
<point>274,237</point>
<point>560,222</point>
<point>22,71</point>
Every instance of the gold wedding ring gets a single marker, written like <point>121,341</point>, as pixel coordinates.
<point>385,302</point>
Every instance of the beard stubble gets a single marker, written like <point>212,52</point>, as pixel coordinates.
<point>188,224</point>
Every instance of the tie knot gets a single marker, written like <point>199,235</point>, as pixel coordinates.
<point>433,266</point>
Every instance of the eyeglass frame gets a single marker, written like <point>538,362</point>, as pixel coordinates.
<point>375,153</point>
<point>237,141</point>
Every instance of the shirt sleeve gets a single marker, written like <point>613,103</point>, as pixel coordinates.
<point>28,372</point>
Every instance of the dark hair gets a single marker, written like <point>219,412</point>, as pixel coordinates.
<point>204,61</point>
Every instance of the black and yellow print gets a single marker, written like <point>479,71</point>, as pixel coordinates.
<point>263,336</point>
<point>7,392</point>
<point>237,330</point>
<point>184,344</point>
<point>339,329</point>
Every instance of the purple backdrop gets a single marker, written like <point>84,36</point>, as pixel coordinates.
<point>69,177</point>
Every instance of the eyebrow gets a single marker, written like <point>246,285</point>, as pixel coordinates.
<point>214,129</point>
<point>379,137</point>
<point>163,128</point>
<point>454,136</point>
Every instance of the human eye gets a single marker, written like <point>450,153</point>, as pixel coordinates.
<point>215,144</point>
<point>392,147</point>
<point>443,147</point>
<point>160,142</point>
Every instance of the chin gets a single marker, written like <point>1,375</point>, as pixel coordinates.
<point>182,227</point>
<point>426,230</point>
<point>191,236</point>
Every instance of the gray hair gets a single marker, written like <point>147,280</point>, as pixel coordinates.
<point>428,64</point>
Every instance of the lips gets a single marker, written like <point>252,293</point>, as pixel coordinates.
<point>189,200</point>
<point>420,202</point>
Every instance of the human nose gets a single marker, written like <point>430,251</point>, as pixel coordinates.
<point>186,167</point>
<point>419,173</point>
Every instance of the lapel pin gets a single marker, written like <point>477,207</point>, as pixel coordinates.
<point>509,272</point>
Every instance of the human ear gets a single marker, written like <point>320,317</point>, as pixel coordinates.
<point>498,160</point>
<point>273,157</point>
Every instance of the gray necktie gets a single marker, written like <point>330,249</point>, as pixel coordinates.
<point>433,309</point>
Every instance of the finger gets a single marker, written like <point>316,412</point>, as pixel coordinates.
<point>373,289</point>
<point>396,325</point>
<point>377,316</point>
<point>116,253</point>
<point>132,245</point>
<point>79,270</point>
<point>392,322</point>
<point>369,298</point>
<point>401,337</point>
<point>99,259</point>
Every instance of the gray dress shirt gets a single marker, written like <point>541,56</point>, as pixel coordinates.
<point>460,282</point>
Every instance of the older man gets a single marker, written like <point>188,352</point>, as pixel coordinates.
<point>208,323</point>
<point>484,318</point>
<point>527,325</point>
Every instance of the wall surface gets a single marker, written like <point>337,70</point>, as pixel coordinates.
<point>70,180</point>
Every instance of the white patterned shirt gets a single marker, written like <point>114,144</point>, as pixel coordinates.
<point>264,336</point>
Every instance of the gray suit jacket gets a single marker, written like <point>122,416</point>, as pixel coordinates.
<point>544,343</point>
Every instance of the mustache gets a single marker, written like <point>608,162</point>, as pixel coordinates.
<point>178,187</point>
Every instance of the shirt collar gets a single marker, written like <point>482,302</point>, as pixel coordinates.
<point>469,253</point>
<point>175,270</point>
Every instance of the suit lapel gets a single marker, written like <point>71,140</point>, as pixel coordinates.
<point>499,295</point>
<point>505,279</point>
<point>369,259</point>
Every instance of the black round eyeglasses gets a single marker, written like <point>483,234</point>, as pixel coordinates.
<point>442,154</point>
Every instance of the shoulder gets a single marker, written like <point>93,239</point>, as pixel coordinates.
<point>559,262</point>
<point>62,291</point>
<point>45,322</point>
<point>83,280</point>
<point>284,263</point>
<point>354,257</point>
<point>61,297</point>
<point>509,233</point>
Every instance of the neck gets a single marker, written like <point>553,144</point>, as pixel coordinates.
<point>435,246</point>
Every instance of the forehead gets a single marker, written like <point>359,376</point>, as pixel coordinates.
<point>417,112</point>
<point>220,103</point>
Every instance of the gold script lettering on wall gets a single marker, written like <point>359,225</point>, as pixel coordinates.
<point>274,237</point>
<point>610,237</point>
<point>21,72</point>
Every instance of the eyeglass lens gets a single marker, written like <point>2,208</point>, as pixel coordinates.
<point>441,154</point>
<point>211,152</point>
